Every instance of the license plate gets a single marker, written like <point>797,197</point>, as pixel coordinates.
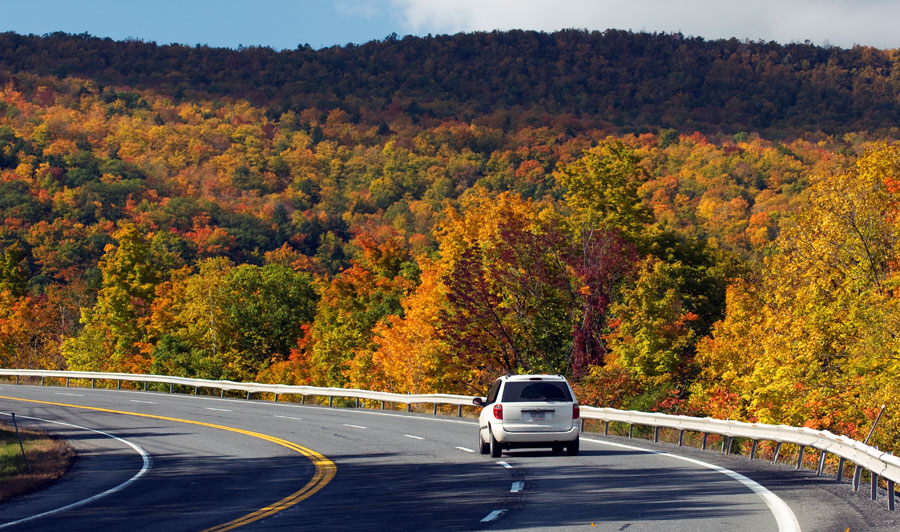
<point>536,416</point>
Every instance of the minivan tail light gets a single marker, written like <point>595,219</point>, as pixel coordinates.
<point>576,411</point>
<point>498,411</point>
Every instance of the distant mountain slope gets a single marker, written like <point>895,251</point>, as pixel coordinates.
<point>617,79</point>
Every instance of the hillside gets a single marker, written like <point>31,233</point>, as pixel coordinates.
<point>676,224</point>
<point>633,82</point>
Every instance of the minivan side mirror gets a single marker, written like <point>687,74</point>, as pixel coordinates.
<point>478,401</point>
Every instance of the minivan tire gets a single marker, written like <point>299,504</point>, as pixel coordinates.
<point>572,448</point>
<point>496,449</point>
<point>483,446</point>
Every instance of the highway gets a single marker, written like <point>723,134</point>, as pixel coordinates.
<point>151,461</point>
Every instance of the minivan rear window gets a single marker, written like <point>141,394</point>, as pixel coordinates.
<point>524,391</point>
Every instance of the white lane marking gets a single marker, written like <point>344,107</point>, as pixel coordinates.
<point>143,402</point>
<point>289,417</point>
<point>784,516</point>
<point>465,449</point>
<point>517,487</point>
<point>217,409</point>
<point>148,463</point>
<point>364,413</point>
<point>414,437</point>
<point>493,515</point>
<point>69,394</point>
<point>504,464</point>
<point>355,426</point>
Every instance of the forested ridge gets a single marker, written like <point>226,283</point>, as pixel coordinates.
<point>700,227</point>
<point>632,81</point>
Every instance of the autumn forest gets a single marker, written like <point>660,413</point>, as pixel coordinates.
<point>697,227</point>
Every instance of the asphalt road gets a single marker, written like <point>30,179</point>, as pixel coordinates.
<point>391,472</point>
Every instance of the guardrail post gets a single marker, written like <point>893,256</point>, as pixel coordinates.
<point>42,381</point>
<point>357,402</point>
<point>118,385</point>
<point>145,386</point>
<point>606,428</point>
<point>248,395</point>
<point>874,486</point>
<point>753,449</point>
<point>330,401</point>
<point>92,384</point>
<point>705,436</point>
<point>724,447</point>
<point>382,405</point>
<point>196,390</point>
<point>840,471</point>
<point>221,393</point>
<point>67,382</point>
<point>276,398</point>
<point>459,411</point>
<point>857,473</point>
<point>303,399</point>
<point>777,452</point>
<point>631,430</point>
<point>800,459</point>
<point>891,495</point>
<point>17,380</point>
<point>656,434</point>
<point>434,410</point>
<point>171,387</point>
<point>822,457</point>
<point>681,438</point>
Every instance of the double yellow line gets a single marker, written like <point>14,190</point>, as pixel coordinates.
<point>325,468</point>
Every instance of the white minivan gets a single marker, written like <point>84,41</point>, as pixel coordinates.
<point>528,411</point>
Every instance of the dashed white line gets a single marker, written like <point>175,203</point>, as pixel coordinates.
<point>143,402</point>
<point>517,487</point>
<point>414,437</point>
<point>504,464</point>
<point>69,394</point>
<point>218,409</point>
<point>354,426</point>
<point>289,417</point>
<point>465,449</point>
<point>493,515</point>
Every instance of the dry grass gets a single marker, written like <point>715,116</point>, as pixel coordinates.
<point>48,457</point>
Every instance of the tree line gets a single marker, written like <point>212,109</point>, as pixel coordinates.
<point>722,273</point>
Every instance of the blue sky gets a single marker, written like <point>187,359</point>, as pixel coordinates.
<point>288,23</point>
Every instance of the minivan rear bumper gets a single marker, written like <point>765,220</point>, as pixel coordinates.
<point>524,439</point>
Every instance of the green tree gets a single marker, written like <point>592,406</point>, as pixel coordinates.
<point>602,188</point>
<point>131,272</point>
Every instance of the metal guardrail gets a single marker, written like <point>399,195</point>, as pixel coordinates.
<point>879,463</point>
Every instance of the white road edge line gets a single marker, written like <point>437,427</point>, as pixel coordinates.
<point>493,515</point>
<point>784,516</point>
<point>504,464</point>
<point>414,437</point>
<point>465,449</point>
<point>148,463</point>
<point>517,487</point>
<point>354,426</point>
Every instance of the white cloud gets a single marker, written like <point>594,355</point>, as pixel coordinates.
<point>838,22</point>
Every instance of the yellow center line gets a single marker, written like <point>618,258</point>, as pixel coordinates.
<point>325,468</point>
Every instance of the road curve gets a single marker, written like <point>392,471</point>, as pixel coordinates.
<point>393,472</point>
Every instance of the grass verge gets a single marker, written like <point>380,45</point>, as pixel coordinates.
<point>48,457</point>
